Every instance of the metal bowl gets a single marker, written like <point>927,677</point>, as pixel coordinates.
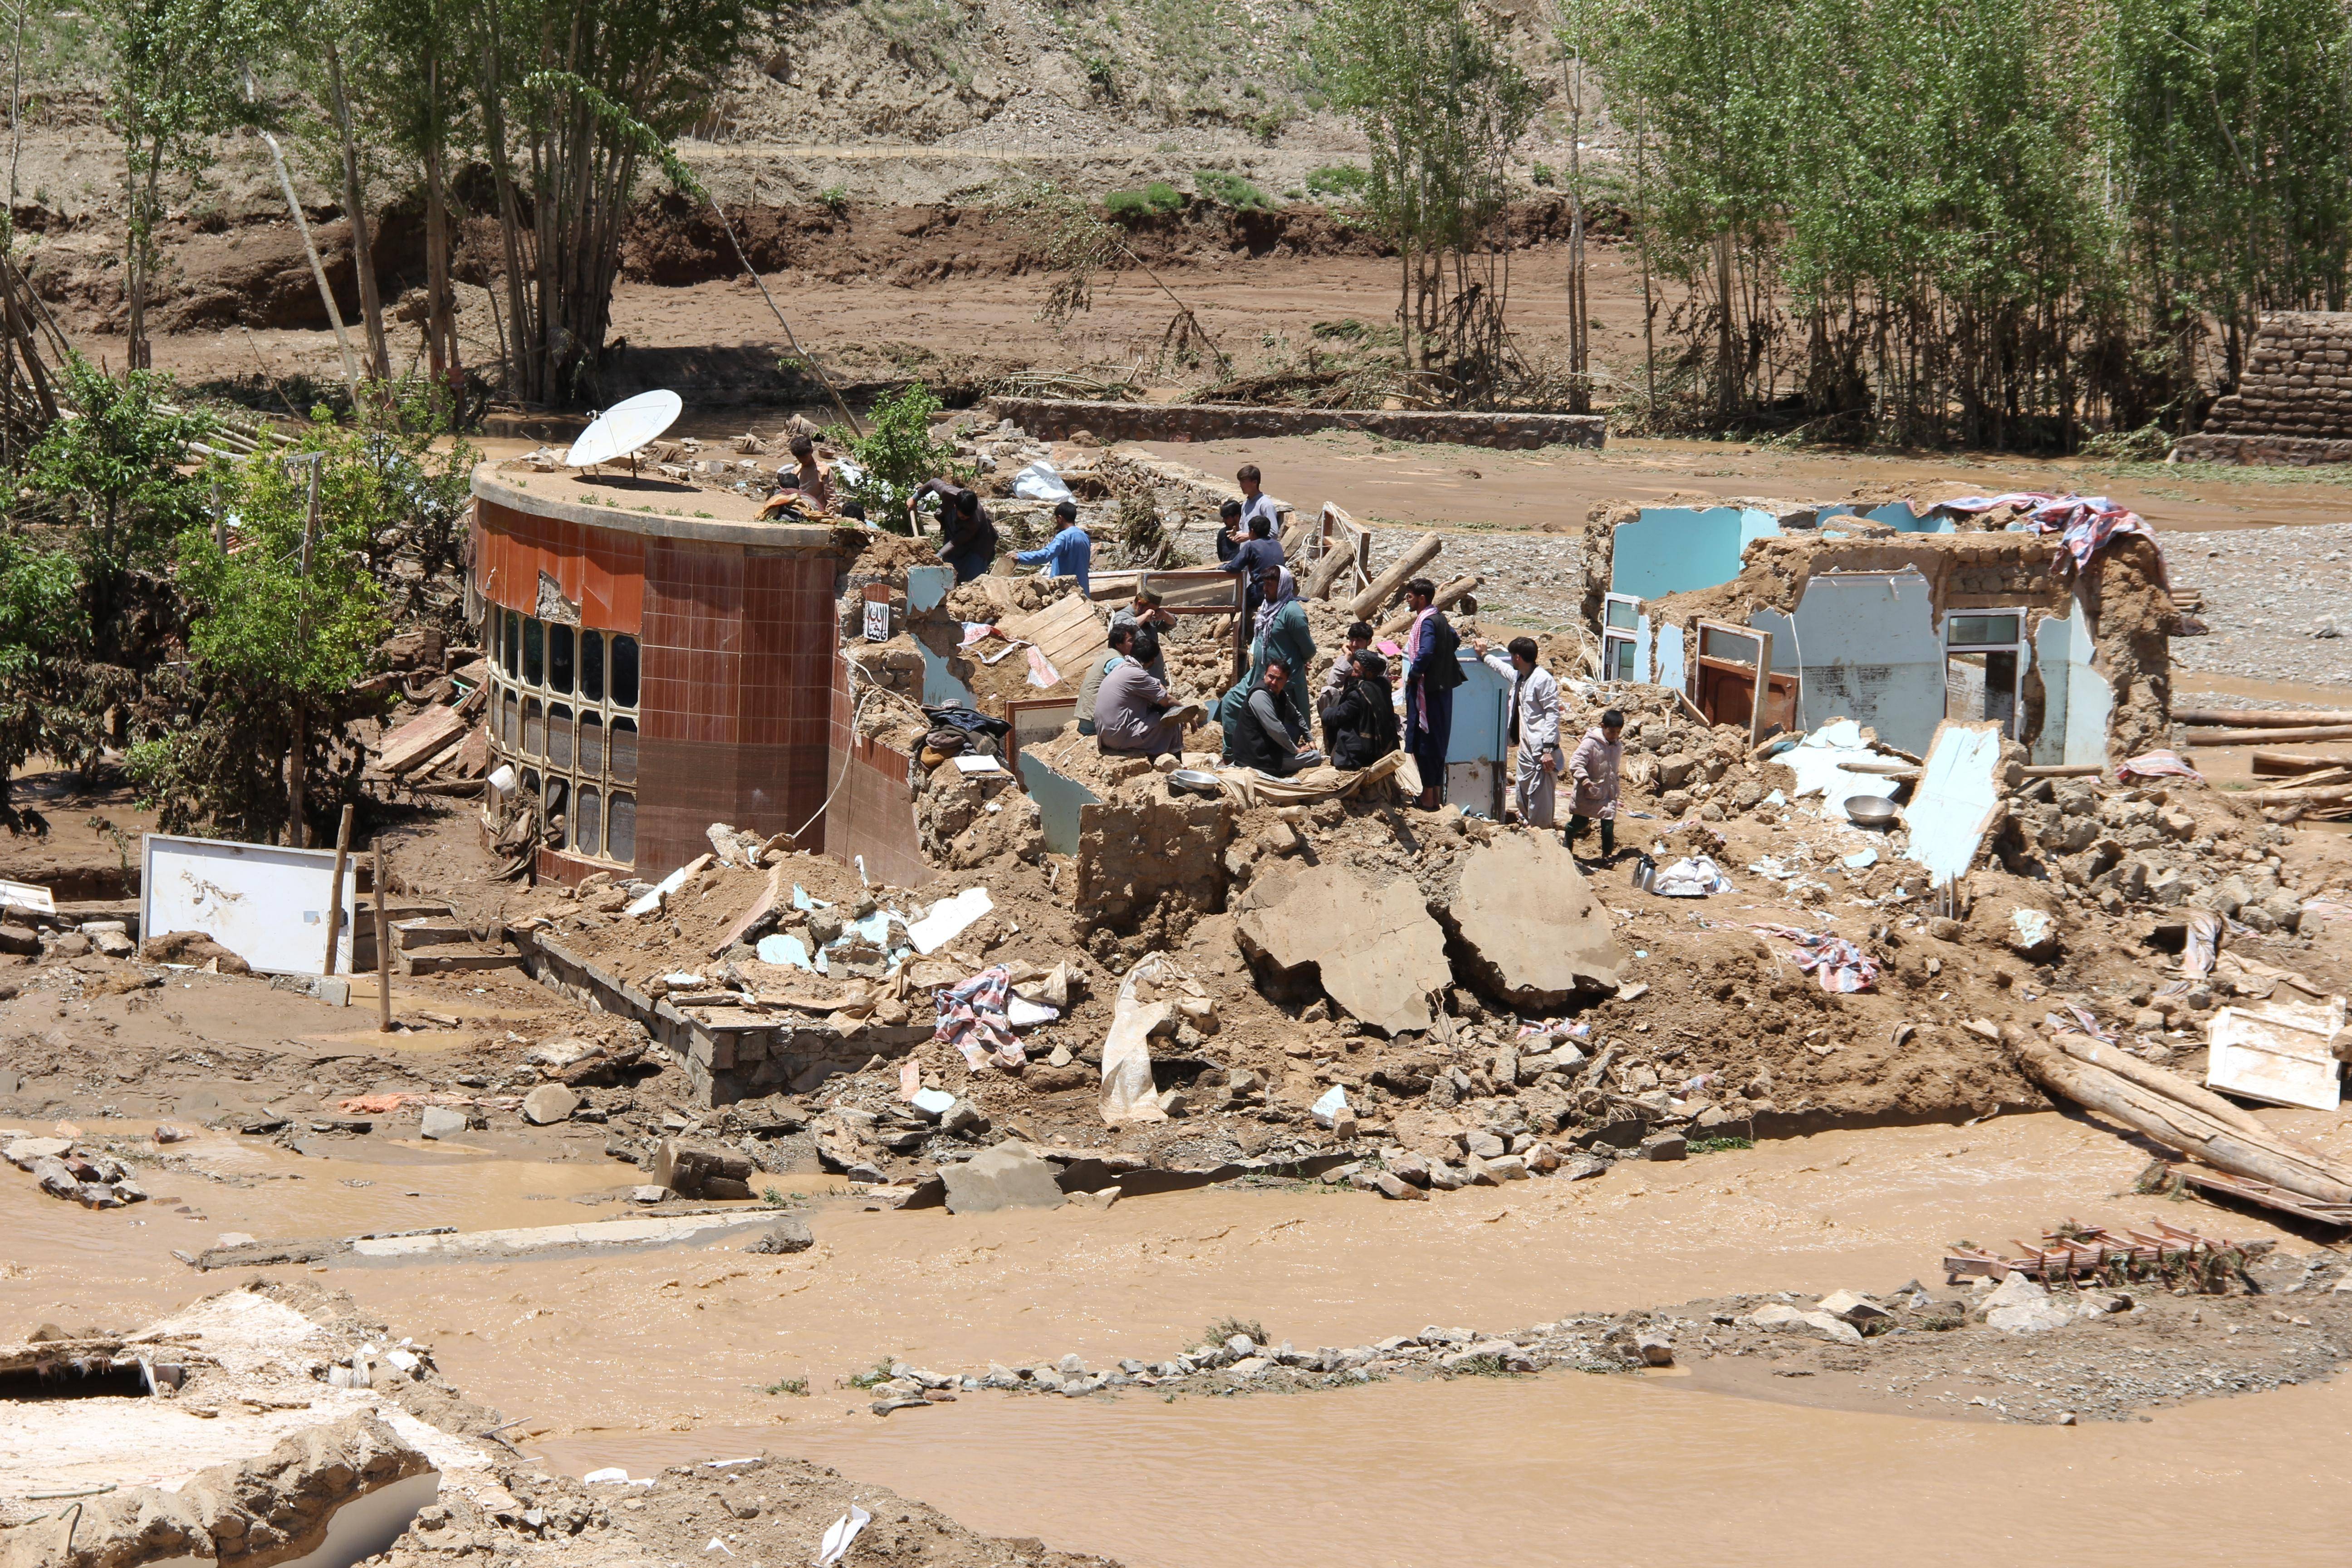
<point>1196,781</point>
<point>1869,811</point>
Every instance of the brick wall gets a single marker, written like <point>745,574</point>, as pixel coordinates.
<point>2293,404</point>
<point>1052,420</point>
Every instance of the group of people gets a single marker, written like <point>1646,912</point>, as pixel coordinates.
<point>1125,703</point>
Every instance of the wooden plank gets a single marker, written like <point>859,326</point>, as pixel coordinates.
<point>418,739</point>
<point>2253,737</point>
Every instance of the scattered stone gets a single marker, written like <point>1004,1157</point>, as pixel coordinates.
<point>548,1103</point>
<point>1391,1185</point>
<point>1655,1350</point>
<point>1779,1315</point>
<point>1101,1198</point>
<point>648,1193</point>
<point>442,1122</point>
<point>790,1234</point>
<point>1855,1307</point>
<point>2021,1306</point>
<point>1665,1146</point>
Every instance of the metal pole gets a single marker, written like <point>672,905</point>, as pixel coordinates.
<point>383,948</point>
<point>295,830</point>
<point>335,889</point>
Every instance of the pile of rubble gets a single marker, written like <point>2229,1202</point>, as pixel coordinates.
<point>93,1178</point>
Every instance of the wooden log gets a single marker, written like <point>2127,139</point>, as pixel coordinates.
<point>335,891</point>
<point>2276,762</point>
<point>2174,1125</point>
<point>1385,586</point>
<point>2259,718</point>
<point>382,946</point>
<point>1326,572</point>
<point>2211,738</point>
<point>418,739</point>
<point>2171,1085</point>
<point>2334,796</point>
<point>2063,770</point>
<point>1453,594</point>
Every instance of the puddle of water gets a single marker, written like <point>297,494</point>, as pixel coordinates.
<point>1568,1467</point>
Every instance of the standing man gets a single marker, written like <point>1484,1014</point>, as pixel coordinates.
<point>1256,503</point>
<point>1534,726</point>
<point>967,533</point>
<point>1069,553</point>
<point>1595,767</point>
<point>1431,675</point>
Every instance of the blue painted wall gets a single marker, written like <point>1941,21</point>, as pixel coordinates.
<point>1678,549</point>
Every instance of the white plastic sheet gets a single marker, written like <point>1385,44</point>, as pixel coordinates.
<point>1127,1093</point>
<point>840,1533</point>
<point>949,918</point>
<point>1041,482</point>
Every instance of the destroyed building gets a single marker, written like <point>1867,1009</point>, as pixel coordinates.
<point>1896,618</point>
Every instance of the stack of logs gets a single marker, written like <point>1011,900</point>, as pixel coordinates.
<point>2323,782</point>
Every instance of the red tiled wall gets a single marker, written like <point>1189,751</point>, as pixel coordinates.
<point>738,684</point>
<point>601,570</point>
<point>871,814</point>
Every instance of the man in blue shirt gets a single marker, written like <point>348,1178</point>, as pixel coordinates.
<point>1069,553</point>
<point>1259,553</point>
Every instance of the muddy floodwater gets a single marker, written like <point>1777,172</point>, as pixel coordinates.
<point>1569,1467</point>
<point>668,1357</point>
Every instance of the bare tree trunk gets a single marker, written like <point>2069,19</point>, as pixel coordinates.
<point>355,205</point>
<point>1640,206</point>
<point>440,321</point>
<point>317,270</point>
<point>296,830</point>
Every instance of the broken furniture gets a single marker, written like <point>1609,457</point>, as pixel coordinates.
<point>2078,1252</point>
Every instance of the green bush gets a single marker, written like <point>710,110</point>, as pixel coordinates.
<point>1229,190</point>
<point>1544,174</point>
<point>1156,198</point>
<point>1338,180</point>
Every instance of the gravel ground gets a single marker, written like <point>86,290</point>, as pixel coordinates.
<point>1533,580</point>
<point>2267,594</point>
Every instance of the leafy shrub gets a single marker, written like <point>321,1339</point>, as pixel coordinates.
<point>1229,190</point>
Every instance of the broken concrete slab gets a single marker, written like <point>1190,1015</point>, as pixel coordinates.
<point>1006,1177</point>
<point>1374,949</point>
<point>1534,932</point>
<point>643,1231</point>
<point>550,1103</point>
<point>440,1122</point>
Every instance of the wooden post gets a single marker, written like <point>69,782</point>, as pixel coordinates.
<point>1241,628</point>
<point>1401,571</point>
<point>383,948</point>
<point>335,889</point>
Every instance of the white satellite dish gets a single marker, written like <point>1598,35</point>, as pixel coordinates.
<point>621,430</point>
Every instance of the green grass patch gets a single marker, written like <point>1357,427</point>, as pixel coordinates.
<point>1718,1146</point>
<point>1229,190</point>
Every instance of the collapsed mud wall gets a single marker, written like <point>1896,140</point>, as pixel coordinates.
<point>2122,593</point>
<point>1056,420</point>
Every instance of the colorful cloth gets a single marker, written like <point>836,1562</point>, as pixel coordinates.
<point>2084,524</point>
<point>2156,765</point>
<point>972,1018</point>
<point>1836,962</point>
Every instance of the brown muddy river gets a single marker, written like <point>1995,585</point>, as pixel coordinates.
<point>663,1357</point>
<point>1572,1468</point>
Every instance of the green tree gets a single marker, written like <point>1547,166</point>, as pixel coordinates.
<point>568,89</point>
<point>1437,95</point>
<point>172,83</point>
<point>286,623</point>
<point>896,455</point>
<point>41,630</point>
